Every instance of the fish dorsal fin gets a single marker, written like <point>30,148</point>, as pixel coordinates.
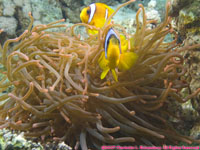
<point>110,10</point>
<point>110,33</point>
<point>92,11</point>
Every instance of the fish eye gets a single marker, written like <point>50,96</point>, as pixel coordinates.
<point>88,11</point>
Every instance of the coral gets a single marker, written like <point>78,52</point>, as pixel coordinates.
<point>57,93</point>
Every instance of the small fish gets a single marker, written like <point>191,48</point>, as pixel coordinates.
<point>96,14</point>
<point>115,55</point>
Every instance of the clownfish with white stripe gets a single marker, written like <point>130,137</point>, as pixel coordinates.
<point>115,55</point>
<point>95,14</point>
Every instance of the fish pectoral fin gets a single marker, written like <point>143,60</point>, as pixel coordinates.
<point>104,73</point>
<point>114,75</point>
<point>127,60</point>
<point>124,43</point>
<point>103,62</point>
<point>132,43</point>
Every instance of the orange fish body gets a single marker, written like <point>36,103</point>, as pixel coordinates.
<point>96,14</point>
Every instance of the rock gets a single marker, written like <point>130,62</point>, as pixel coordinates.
<point>9,8</point>
<point>73,15</point>
<point>46,10</point>
<point>36,15</point>
<point>151,12</point>
<point>110,2</point>
<point>189,19</point>
<point>23,21</point>
<point>26,8</point>
<point>8,24</point>
<point>152,4</point>
<point>195,131</point>
<point>126,16</point>
<point>13,141</point>
<point>19,3</point>
<point>72,4</point>
<point>10,140</point>
<point>1,9</point>
<point>177,5</point>
<point>186,16</point>
<point>63,146</point>
<point>187,23</point>
<point>134,6</point>
<point>71,10</point>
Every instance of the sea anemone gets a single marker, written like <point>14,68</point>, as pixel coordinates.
<point>57,93</point>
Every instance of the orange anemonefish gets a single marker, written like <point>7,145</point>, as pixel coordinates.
<point>96,14</point>
<point>115,56</point>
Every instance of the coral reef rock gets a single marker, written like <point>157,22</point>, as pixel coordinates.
<point>8,24</point>
<point>110,2</point>
<point>152,13</point>
<point>57,93</point>
<point>71,10</point>
<point>186,17</point>
<point>195,131</point>
<point>14,14</point>
<point>46,10</point>
<point>16,141</point>
<point>13,141</point>
<point>9,8</point>
<point>177,5</point>
<point>125,16</point>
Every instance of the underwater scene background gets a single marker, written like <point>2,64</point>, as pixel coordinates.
<point>52,94</point>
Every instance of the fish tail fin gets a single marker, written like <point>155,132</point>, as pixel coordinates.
<point>127,60</point>
<point>114,75</point>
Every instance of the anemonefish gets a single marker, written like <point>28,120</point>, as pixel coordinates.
<point>115,55</point>
<point>96,14</point>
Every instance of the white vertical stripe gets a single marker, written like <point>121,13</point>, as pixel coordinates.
<point>106,15</point>
<point>109,34</point>
<point>92,11</point>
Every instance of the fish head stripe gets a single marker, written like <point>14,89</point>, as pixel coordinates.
<point>92,11</point>
<point>110,33</point>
